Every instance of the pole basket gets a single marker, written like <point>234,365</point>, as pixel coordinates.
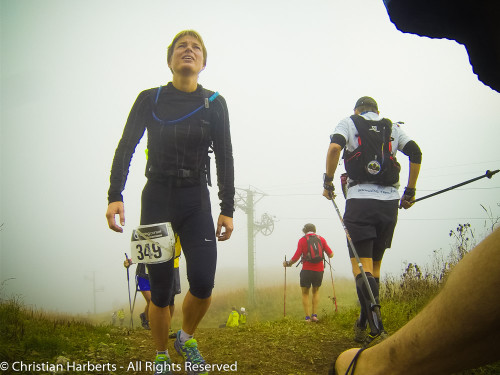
<point>334,300</point>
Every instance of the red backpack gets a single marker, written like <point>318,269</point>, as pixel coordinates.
<point>314,253</point>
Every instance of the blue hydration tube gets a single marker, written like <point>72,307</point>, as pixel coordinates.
<point>170,122</point>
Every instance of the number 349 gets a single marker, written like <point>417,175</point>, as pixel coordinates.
<point>146,252</point>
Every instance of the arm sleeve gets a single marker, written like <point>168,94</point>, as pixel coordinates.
<point>132,134</point>
<point>224,161</point>
<point>338,139</point>
<point>341,133</point>
<point>412,150</point>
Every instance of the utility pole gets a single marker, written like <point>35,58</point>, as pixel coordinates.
<point>251,247</point>
<point>94,290</point>
<point>246,199</point>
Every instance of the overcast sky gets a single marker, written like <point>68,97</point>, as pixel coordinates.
<point>289,71</point>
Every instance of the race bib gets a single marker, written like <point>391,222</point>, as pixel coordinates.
<point>153,243</point>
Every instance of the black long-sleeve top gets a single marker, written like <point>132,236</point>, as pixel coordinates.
<point>179,146</point>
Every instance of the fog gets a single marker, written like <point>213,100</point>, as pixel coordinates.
<point>289,71</point>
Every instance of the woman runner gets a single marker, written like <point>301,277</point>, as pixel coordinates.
<point>182,120</point>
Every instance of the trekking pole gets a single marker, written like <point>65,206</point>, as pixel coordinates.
<point>375,307</point>
<point>129,298</point>
<point>133,304</point>
<point>284,295</point>
<point>333,286</point>
<point>488,174</point>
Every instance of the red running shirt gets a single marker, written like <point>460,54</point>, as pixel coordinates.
<point>302,251</point>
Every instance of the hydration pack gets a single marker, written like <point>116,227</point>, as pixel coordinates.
<point>372,161</point>
<point>209,97</point>
<point>314,252</point>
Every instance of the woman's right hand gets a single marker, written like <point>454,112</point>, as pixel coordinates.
<point>115,208</point>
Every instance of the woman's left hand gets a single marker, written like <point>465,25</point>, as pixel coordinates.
<point>225,222</point>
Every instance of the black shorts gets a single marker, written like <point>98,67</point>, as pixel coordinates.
<point>177,281</point>
<point>371,224</point>
<point>308,278</point>
<point>367,249</point>
<point>142,282</point>
<point>176,286</point>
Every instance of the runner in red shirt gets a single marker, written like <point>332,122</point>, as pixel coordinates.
<point>312,269</point>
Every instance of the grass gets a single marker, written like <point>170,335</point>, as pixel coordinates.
<point>266,347</point>
<point>270,343</point>
<point>29,334</point>
<point>269,304</point>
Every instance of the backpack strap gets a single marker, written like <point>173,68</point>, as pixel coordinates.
<point>322,249</point>
<point>208,100</point>
<point>206,105</point>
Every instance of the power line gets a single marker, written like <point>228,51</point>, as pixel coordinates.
<point>422,177</point>
<point>399,219</point>
<point>462,165</point>
<point>420,190</point>
<point>443,219</point>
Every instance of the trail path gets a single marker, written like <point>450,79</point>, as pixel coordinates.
<point>274,348</point>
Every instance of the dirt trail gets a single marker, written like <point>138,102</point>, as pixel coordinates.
<point>274,349</point>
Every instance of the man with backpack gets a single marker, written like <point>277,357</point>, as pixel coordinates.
<point>311,251</point>
<point>372,197</point>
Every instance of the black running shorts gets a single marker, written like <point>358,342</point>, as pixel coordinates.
<point>371,224</point>
<point>308,278</point>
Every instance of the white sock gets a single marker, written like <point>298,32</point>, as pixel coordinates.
<point>183,337</point>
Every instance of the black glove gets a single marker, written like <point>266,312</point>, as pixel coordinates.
<point>407,197</point>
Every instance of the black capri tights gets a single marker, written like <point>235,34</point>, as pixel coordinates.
<point>188,209</point>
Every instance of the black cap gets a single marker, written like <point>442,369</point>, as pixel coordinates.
<point>366,100</point>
